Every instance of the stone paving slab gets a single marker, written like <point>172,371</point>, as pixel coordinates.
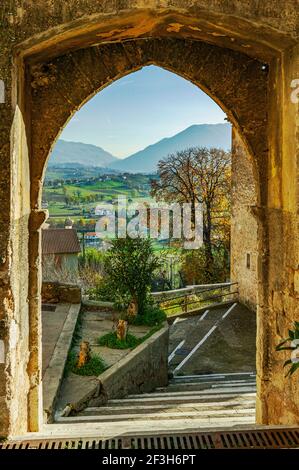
<point>52,324</point>
<point>60,345</point>
<point>75,389</point>
<point>110,356</point>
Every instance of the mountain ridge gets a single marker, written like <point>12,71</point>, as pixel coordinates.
<point>67,152</point>
<point>145,160</point>
<point>196,135</point>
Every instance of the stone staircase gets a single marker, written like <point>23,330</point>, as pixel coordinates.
<point>200,401</point>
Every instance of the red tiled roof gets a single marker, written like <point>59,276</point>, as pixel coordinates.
<point>60,240</point>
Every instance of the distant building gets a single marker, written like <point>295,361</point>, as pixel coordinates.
<point>91,239</point>
<point>68,223</point>
<point>60,250</point>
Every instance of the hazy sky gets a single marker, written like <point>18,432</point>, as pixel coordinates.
<point>140,109</point>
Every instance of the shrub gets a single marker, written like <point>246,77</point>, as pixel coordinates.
<point>291,343</point>
<point>152,316</point>
<point>101,291</point>
<point>194,266</point>
<point>92,258</point>
<point>130,265</point>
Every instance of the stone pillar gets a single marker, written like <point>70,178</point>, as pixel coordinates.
<point>278,396</point>
<point>6,300</point>
<point>35,411</point>
<point>14,216</point>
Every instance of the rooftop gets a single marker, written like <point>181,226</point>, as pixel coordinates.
<point>60,240</point>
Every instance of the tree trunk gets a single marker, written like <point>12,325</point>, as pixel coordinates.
<point>207,240</point>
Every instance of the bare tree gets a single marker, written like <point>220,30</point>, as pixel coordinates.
<point>198,175</point>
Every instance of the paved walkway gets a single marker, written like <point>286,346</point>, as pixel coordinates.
<point>58,325</point>
<point>53,319</point>
<point>220,340</point>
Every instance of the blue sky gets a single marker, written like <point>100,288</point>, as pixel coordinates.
<point>140,109</point>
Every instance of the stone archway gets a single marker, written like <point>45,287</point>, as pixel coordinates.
<point>61,85</point>
<point>50,82</point>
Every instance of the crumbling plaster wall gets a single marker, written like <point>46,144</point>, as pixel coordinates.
<point>278,306</point>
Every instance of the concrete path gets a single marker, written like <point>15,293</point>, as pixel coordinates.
<point>220,340</point>
<point>58,325</point>
<point>53,318</point>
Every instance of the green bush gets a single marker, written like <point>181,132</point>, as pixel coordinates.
<point>152,316</point>
<point>101,291</point>
<point>92,258</point>
<point>111,341</point>
<point>130,265</point>
<point>194,266</point>
<point>291,343</point>
<point>95,366</point>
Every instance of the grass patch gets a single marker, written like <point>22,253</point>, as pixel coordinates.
<point>95,366</point>
<point>111,341</point>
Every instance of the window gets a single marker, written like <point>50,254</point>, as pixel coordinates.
<point>248,260</point>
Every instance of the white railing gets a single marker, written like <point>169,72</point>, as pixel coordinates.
<point>189,290</point>
<point>189,298</point>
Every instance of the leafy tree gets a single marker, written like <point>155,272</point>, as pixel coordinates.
<point>199,175</point>
<point>193,267</point>
<point>66,195</point>
<point>130,265</point>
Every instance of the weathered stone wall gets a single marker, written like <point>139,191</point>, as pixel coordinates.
<point>56,292</point>
<point>68,81</point>
<point>39,31</point>
<point>244,227</point>
<point>278,396</point>
<point>141,371</point>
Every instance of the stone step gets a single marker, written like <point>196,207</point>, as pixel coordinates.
<point>171,399</point>
<point>135,427</point>
<point>212,415</point>
<point>201,407</point>
<point>213,377</point>
<point>186,393</point>
<point>193,386</point>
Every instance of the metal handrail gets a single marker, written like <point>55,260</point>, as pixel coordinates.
<point>199,301</point>
<point>189,291</point>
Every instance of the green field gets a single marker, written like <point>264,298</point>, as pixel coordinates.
<point>79,198</point>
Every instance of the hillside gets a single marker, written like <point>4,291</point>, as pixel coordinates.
<point>65,153</point>
<point>69,155</point>
<point>205,135</point>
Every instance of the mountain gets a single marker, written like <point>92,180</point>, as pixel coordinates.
<point>66,153</point>
<point>201,135</point>
<point>75,154</point>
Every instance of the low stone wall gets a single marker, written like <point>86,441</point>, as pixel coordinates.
<point>55,292</point>
<point>142,370</point>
